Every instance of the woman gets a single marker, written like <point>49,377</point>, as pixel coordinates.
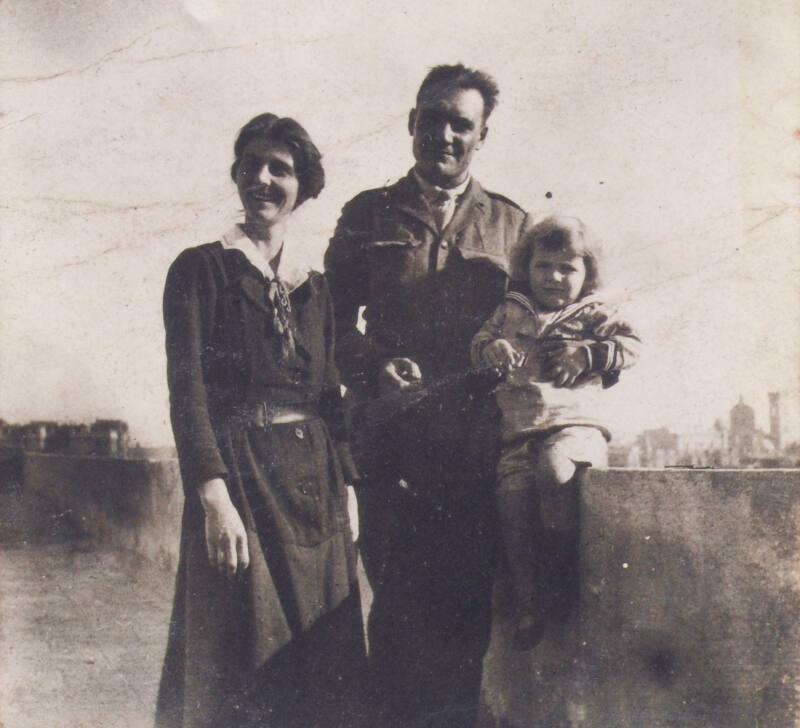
<point>266,627</point>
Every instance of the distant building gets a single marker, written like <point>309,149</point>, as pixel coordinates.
<point>740,445</point>
<point>10,435</point>
<point>107,438</point>
<point>70,438</point>
<point>704,448</point>
<point>110,437</point>
<point>619,456</point>
<point>749,447</point>
<point>775,419</point>
<point>656,449</point>
<point>742,440</point>
<point>35,435</point>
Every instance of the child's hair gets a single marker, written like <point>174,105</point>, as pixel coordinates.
<point>558,232</point>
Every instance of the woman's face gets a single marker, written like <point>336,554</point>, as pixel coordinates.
<point>267,182</point>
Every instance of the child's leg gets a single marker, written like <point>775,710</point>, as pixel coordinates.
<point>563,455</point>
<point>520,522</point>
<point>563,458</point>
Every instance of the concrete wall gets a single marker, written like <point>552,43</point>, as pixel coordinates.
<point>688,610</point>
<point>130,504</point>
<point>10,468</point>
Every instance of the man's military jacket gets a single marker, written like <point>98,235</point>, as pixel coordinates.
<point>425,292</point>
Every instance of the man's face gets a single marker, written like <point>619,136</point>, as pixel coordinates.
<point>448,128</point>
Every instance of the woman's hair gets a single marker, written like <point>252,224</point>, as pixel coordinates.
<point>558,233</point>
<point>286,131</point>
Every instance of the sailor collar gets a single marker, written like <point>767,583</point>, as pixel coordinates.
<point>558,315</point>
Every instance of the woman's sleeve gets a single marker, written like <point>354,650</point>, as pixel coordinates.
<point>331,401</point>
<point>189,300</point>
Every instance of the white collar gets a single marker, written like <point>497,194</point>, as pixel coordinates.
<point>431,191</point>
<point>291,269</point>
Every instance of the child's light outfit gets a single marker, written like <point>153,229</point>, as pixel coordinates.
<point>529,403</point>
<point>536,415</point>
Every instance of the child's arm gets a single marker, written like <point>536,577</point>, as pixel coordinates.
<point>610,346</point>
<point>490,348</point>
<point>615,345</point>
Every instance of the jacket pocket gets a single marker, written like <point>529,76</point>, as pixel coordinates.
<point>391,244</point>
<point>392,262</point>
<point>476,245</point>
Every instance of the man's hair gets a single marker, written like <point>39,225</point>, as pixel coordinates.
<point>286,131</point>
<point>559,233</point>
<point>459,76</point>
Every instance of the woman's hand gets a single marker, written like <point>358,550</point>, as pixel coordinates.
<point>502,355</point>
<point>226,539</point>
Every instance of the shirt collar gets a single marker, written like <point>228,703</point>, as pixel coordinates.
<point>291,269</point>
<point>432,192</point>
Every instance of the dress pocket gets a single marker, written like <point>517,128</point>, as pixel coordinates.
<point>295,487</point>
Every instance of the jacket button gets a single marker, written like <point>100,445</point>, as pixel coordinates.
<point>299,432</point>
<point>444,244</point>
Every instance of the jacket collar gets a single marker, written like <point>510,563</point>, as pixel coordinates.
<point>408,197</point>
<point>292,271</point>
<point>431,191</point>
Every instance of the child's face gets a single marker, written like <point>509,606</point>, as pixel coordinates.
<point>556,276</point>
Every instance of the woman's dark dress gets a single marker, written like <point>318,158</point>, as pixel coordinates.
<point>283,644</point>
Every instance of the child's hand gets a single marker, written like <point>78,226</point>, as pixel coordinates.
<point>502,355</point>
<point>565,361</point>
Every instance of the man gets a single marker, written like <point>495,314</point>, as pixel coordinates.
<point>427,259</point>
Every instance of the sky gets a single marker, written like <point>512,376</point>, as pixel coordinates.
<point>671,128</point>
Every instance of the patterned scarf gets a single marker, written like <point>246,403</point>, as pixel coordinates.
<point>282,319</point>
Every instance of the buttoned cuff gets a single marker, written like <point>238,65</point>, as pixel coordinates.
<point>602,356</point>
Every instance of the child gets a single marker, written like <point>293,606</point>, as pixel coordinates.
<point>560,347</point>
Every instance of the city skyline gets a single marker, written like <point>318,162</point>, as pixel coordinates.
<point>789,415</point>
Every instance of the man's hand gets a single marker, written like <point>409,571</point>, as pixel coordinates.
<point>226,539</point>
<point>398,374</point>
<point>501,355</point>
<point>565,361</point>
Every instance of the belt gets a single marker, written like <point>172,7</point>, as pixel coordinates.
<point>264,414</point>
